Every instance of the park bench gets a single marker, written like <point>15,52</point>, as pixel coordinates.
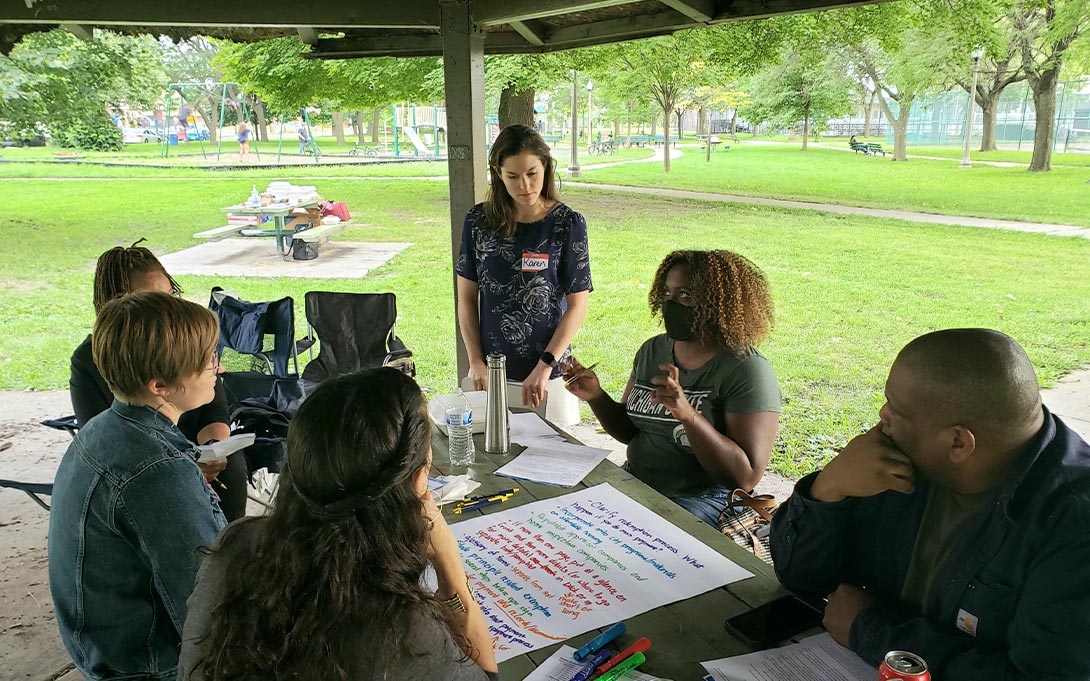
<point>876,149</point>
<point>860,147</point>
<point>640,140</point>
<point>320,234</point>
<point>223,232</point>
<point>551,139</point>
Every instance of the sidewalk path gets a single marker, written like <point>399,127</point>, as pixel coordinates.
<point>910,216</point>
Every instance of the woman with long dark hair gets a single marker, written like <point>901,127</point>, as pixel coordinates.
<point>330,585</point>
<point>702,406</point>
<point>123,270</point>
<point>524,269</point>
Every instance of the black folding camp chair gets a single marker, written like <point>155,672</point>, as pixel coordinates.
<point>354,331</point>
<point>244,325</point>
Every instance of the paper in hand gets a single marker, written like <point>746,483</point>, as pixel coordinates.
<point>213,451</point>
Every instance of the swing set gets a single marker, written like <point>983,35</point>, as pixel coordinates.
<point>183,91</point>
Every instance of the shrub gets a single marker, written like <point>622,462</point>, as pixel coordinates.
<point>96,133</point>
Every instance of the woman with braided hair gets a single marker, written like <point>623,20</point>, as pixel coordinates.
<point>123,270</point>
<point>701,408</point>
<point>329,585</point>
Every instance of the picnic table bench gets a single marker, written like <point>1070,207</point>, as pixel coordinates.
<point>876,149</point>
<point>218,233</point>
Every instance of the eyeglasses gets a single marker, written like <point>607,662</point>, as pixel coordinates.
<point>215,364</point>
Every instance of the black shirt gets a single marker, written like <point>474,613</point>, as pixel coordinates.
<point>91,396</point>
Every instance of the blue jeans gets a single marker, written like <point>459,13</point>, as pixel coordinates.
<point>707,505</point>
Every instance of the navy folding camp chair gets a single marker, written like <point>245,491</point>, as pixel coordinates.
<point>244,325</point>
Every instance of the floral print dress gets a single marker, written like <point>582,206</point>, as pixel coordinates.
<point>524,281</point>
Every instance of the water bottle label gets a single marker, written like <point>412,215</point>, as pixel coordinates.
<point>464,419</point>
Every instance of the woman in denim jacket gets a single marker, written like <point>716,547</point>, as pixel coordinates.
<point>130,506</point>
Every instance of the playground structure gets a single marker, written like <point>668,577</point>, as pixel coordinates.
<point>172,137</point>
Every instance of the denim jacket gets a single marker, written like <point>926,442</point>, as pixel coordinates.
<point>1011,602</point>
<point>130,508</point>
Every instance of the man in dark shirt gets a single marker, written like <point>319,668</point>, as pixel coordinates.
<point>958,528</point>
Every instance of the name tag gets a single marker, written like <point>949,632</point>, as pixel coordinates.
<point>967,622</point>
<point>535,262</point>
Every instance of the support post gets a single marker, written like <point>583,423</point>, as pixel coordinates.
<point>463,73</point>
<point>573,167</point>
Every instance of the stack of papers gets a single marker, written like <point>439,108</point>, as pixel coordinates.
<point>214,451</point>
<point>548,459</point>
<point>818,658</point>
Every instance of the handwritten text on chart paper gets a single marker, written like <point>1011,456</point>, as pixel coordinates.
<point>554,569</point>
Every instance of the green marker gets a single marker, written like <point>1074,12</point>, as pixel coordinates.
<point>623,668</point>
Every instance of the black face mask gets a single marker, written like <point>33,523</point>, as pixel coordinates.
<point>679,320</point>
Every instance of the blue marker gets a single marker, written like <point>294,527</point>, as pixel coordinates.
<point>600,641</point>
<point>588,669</point>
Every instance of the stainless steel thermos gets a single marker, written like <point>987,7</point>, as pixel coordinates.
<point>497,434</point>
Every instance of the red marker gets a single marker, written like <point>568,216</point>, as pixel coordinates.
<point>639,646</point>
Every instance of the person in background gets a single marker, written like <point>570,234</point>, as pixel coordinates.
<point>130,507</point>
<point>329,585</point>
<point>702,405</point>
<point>958,527</point>
<point>125,270</point>
<point>243,140</point>
<point>304,136</point>
<point>523,271</point>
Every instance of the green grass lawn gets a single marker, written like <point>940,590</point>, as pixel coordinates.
<point>1002,155</point>
<point>849,291</point>
<point>830,176</point>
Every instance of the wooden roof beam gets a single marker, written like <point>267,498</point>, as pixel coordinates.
<point>530,31</point>
<point>496,12</point>
<point>697,10</point>
<point>273,13</point>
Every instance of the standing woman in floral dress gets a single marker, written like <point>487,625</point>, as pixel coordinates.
<point>523,271</point>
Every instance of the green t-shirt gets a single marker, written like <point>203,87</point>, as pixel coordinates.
<point>660,454</point>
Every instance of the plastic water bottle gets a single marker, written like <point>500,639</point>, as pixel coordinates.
<point>460,430</point>
<point>255,198</point>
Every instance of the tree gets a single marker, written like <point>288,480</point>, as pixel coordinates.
<point>667,66</point>
<point>68,85</point>
<point>1043,32</point>
<point>807,87</point>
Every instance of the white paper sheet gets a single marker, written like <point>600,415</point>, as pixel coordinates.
<point>447,489</point>
<point>557,568</point>
<point>561,464</point>
<point>221,449</point>
<point>561,667</point>
<point>529,426</point>
<point>818,658</point>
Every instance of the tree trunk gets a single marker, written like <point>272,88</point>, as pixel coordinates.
<point>654,123</point>
<point>868,111</point>
<point>805,126</point>
<point>1044,104</point>
<point>262,130</point>
<point>734,121</point>
<point>213,115</point>
<point>666,139</point>
<point>701,124</point>
<point>338,127</point>
<point>628,136</point>
<point>988,106</point>
<point>376,123</point>
<point>616,129</point>
<point>516,108</point>
<point>360,138</point>
<point>679,113</point>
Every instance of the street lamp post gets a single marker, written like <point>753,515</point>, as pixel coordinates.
<point>573,167</point>
<point>590,121</point>
<point>965,162</point>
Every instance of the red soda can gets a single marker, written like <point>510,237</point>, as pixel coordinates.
<point>901,666</point>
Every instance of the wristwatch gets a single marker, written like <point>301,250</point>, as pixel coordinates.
<point>547,358</point>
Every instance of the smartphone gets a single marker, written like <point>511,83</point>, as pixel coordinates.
<point>776,622</point>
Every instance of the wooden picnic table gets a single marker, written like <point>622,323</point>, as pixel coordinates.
<point>683,634</point>
<point>278,212</point>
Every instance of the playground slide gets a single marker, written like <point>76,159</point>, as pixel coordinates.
<point>417,142</point>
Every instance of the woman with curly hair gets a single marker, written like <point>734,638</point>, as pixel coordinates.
<point>330,584</point>
<point>523,272</point>
<point>701,408</point>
